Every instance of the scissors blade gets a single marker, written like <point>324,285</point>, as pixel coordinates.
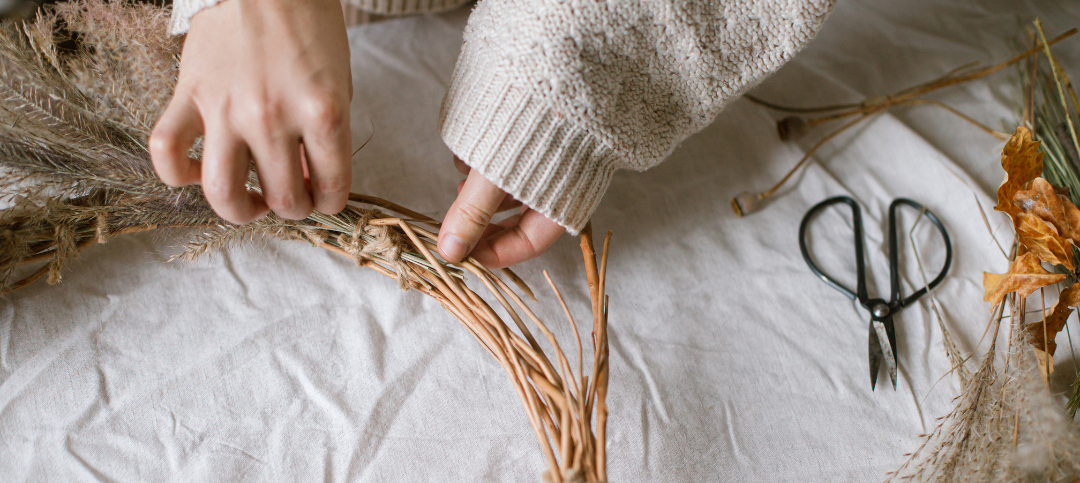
<point>875,356</point>
<point>885,349</point>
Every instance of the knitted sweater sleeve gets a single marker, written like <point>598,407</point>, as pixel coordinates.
<point>550,97</point>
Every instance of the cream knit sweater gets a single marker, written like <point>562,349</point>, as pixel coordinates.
<point>550,97</point>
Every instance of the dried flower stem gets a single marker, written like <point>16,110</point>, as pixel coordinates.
<point>33,277</point>
<point>746,203</point>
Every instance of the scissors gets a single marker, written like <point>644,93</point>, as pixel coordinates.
<point>882,330</point>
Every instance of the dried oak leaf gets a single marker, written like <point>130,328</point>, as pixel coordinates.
<point>1044,201</point>
<point>1042,239</point>
<point>1025,276</point>
<point>1043,340</point>
<point>1022,162</point>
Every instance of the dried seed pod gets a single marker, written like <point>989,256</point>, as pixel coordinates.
<point>745,203</point>
<point>791,128</point>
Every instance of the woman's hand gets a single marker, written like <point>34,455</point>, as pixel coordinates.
<point>265,81</point>
<point>467,227</point>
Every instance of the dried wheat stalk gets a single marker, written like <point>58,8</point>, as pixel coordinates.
<point>80,89</point>
<point>1006,426</point>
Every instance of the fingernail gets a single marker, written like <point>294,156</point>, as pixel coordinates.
<point>454,248</point>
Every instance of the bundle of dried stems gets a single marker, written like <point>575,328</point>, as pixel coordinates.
<point>80,88</point>
<point>1006,426</point>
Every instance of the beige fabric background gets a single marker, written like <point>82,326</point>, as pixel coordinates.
<point>730,361</point>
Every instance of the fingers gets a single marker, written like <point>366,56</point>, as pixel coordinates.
<point>277,162</point>
<point>508,203</point>
<point>268,82</point>
<point>277,155</point>
<point>497,227</point>
<point>532,235</point>
<point>467,228</point>
<point>173,136</point>
<point>225,172</point>
<point>468,217</point>
<point>328,148</point>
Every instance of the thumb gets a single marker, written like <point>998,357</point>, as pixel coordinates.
<point>468,217</point>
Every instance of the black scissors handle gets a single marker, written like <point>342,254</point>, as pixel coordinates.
<point>896,301</point>
<point>894,252</point>
<point>856,224</point>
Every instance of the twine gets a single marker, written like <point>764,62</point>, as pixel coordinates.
<point>387,246</point>
<point>316,237</point>
<point>64,234</point>
<point>101,227</point>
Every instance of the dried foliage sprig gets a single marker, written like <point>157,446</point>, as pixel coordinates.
<point>1052,111</point>
<point>80,88</point>
<point>72,169</point>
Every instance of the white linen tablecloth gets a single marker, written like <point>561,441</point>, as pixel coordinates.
<point>730,361</point>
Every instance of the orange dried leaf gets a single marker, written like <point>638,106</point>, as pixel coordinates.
<point>1025,276</point>
<point>1043,333</point>
<point>1046,365</point>
<point>1069,225</point>
<point>1043,240</point>
<point>1044,201</point>
<point>1022,162</point>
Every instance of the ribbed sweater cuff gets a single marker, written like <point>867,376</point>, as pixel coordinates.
<point>404,7</point>
<point>522,145</point>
